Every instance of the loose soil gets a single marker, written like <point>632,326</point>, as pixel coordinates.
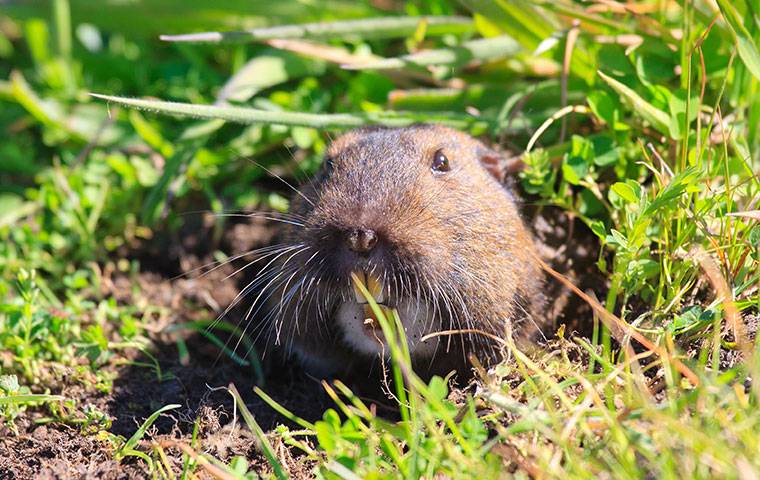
<point>56,450</point>
<point>61,451</point>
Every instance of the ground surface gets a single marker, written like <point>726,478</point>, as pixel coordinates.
<point>47,451</point>
<point>41,451</point>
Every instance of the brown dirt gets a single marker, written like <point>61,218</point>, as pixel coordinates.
<point>57,450</point>
<point>60,451</point>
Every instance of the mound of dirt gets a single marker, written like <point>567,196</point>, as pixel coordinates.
<point>142,384</point>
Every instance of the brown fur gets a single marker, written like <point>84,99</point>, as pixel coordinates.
<point>454,237</point>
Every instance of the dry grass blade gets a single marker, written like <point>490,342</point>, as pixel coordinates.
<point>559,114</point>
<point>618,327</point>
<point>463,331</point>
<point>752,214</point>
<point>212,469</point>
<point>719,283</point>
<point>328,53</point>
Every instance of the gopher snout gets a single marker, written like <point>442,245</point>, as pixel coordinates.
<point>361,240</point>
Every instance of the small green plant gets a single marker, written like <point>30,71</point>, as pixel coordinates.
<point>15,398</point>
<point>88,418</point>
<point>127,447</point>
<point>30,332</point>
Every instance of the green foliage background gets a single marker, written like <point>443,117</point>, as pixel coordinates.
<point>642,120</point>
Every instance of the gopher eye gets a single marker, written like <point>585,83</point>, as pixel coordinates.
<point>440,162</point>
<point>328,164</point>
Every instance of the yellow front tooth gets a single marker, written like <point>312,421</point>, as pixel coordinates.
<point>369,317</point>
<point>375,288</point>
<point>358,293</point>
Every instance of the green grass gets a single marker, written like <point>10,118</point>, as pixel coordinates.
<point>644,124</point>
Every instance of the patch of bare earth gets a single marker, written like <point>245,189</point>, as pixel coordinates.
<point>56,450</point>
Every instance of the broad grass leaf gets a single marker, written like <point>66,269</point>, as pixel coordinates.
<point>574,169</point>
<point>357,29</point>
<point>492,48</point>
<point>145,20</point>
<point>518,18</point>
<point>612,59</point>
<point>265,71</point>
<point>603,106</point>
<point>583,148</point>
<point>677,105</point>
<point>316,120</point>
<point>47,112</point>
<point>438,388</point>
<point>150,134</point>
<point>589,205</point>
<point>530,26</point>
<point>606,153</point>
<point>146,172</point>
<point>37,38</point>
<point>654,63</point>
<point>577,162</point>
<point>659,97</point>
<point>745,44</point>
<point>326,436</point>
<point>29,398</point>
<point>606,108</point>
<point>13,207</point>
<point>659,119</point>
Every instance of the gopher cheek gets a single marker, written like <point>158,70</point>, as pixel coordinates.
<point>366,338</point>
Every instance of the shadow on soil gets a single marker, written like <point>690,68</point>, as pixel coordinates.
<point>60,451</point>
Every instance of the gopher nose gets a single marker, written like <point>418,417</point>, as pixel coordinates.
<point>361,240</point>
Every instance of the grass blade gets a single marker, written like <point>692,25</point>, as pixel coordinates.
<point>480,49</point>
<point>62,13</point>
<point>47,113</point>
<point>282,410</point>
<point>530,26</point>
<point>745,45</point>
<point>332,121</point>
<point>137,436</point>
<point>22,399</point>
<point>266,447</point>
<point>384,27</point>
<point>517,18</point>
<point>653,115</point>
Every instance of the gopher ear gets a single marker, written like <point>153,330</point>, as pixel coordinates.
<point>497,163</point>
<point>492,161</point>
